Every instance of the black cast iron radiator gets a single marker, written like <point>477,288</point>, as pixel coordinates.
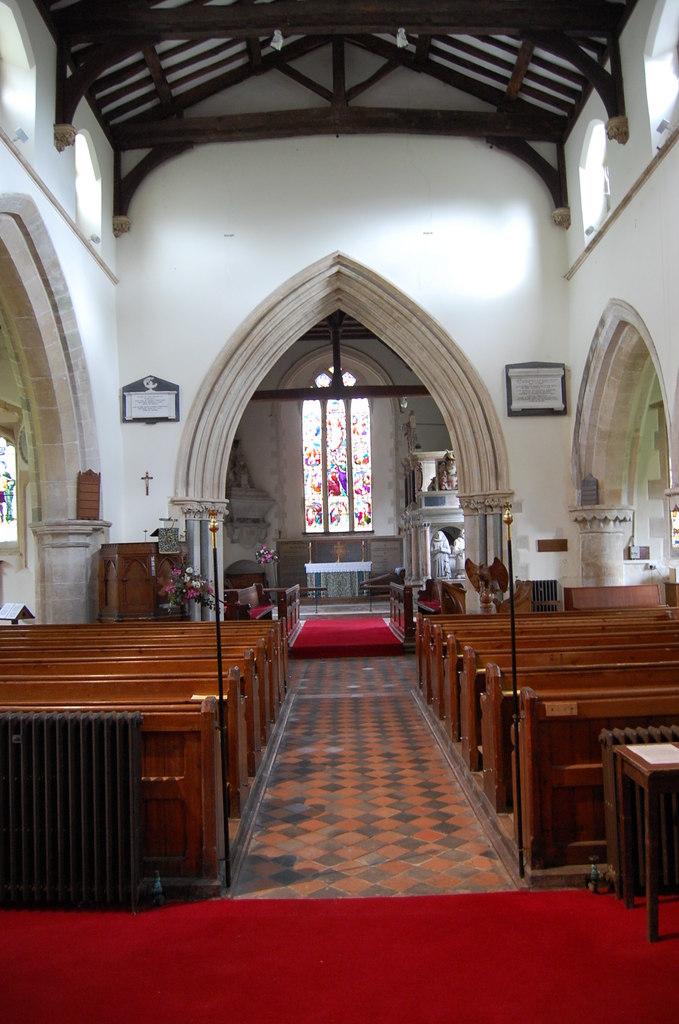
<point>546,596</point>
<point>70,808</point>
<point>668,874</point>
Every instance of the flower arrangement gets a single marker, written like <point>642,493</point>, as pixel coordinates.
<point>188,585</point>
<point>264,555</point>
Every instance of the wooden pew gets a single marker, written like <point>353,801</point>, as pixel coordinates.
<point>562,772</point>
<point>182,813</point>
<point>497,709</point>
<point>192,672</point>
<point>472,680</point>
<point>469,628</point>
<point>443,674</point>
<point>140,690</point>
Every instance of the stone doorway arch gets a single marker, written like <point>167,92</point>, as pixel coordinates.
<point>58,425</point>
<point>621,375</point>
<point>338,282</point>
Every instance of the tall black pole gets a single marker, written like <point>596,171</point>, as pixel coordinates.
<point>508,519</point>
<point>223,744</point>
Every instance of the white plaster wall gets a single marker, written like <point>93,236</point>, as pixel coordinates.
<point>216,231</point>
<point>49,181</point>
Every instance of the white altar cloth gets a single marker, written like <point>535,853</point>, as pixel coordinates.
<point>312,567</point>
<point>340,579</point>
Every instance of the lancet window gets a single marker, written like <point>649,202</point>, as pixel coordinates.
<point>337,462</point>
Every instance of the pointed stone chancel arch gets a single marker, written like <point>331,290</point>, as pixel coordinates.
<point>338,282</point>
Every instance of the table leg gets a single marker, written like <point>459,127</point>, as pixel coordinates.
<point>625,796</point>
<point>651,854</point>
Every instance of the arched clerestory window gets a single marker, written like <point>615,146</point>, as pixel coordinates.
<point>336,459</point>
<point>594,182</point>
<point>8,493</point>
<point>17,79</point>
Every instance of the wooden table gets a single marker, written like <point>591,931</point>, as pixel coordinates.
<point>654,768</point>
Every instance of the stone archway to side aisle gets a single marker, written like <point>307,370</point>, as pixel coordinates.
<point>58,424</point>
<point>621,373</point>
<point>337,282</point>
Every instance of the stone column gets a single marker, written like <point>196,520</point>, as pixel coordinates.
<point>604,532</point>
<point>426,550</point>
<point>483,533</point>
<point>67,569</point>
<point>196,516</point>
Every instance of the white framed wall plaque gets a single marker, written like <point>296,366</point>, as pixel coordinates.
<point>150,400</point>
<point>536,389</point>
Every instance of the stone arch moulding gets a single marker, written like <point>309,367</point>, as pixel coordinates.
<point>43,334</point>
<point>622,355</point>
<point>339,282</point>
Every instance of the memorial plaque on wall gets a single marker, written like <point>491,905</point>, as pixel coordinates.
<point>150,400</point>
<point>386,555</point>
<point>292,557</point>
<point>536,389</point>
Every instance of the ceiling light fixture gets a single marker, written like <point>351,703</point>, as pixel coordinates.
<point>277,40</point>
<point>401,39</point>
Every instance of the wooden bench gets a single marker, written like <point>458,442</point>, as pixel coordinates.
<point>251,602</point>
<point>562,770</point>
<point>497,709</point>
<point>641,595</point>
<point>137,634</point>
<point>442,644</point>
<point>182,813</point>
<point>401,611</point>
<point>473,674</point>
<point>288,605</point>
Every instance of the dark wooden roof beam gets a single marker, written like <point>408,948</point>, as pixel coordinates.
<point>159,80</point>
<point>296,76</point>
<point>236,76</point>
<point>382,72</point>
<point>545,96</point>
<point>86,22</point>
<point>537,126</point>
<point>440,72</point>
<point>341,391</point>
<point>519,71</point>
<point>552,177</point>
<point>599,78</point>
<point>339,85</point>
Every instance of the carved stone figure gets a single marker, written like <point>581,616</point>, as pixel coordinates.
<point>440,556</point>
<point>447,473</point>
<point>239,475</point>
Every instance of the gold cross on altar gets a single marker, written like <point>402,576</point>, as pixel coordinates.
<point>339,550</point>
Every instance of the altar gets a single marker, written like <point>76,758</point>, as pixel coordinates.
<point>341,579</point>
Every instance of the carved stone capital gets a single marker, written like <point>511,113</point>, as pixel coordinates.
<point>194,508</point>
<point>617,129</point>
<point>562,217</point>
<point>485,504</point>
<point>121,225</point>
<point>64,136</point>
<point>602,518</point>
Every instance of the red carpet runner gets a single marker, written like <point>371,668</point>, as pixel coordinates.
<point>345,638</point>
<point>495,958</point>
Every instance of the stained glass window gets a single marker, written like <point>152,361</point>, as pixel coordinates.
<point>8,516</point>
<point>337,464</point>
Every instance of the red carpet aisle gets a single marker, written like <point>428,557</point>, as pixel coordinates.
<point>495,958</point>
<point>345,638</point>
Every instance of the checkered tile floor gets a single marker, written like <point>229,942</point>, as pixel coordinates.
<point>360,800</point>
